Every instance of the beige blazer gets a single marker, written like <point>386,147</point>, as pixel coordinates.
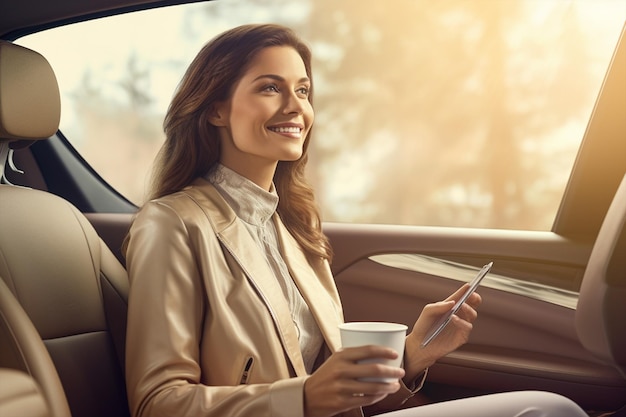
<point>209,330</point>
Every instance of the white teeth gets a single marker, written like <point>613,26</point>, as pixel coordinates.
<point>285,129</point>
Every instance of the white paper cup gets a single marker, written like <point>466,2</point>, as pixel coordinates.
<point>364,333</point>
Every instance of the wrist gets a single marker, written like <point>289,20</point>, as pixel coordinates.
<point>415,360</point>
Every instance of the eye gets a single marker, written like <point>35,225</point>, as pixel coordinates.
<point>303,91</point>
<point>270,88</point>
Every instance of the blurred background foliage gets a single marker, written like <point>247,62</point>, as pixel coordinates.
<point>447,113</point>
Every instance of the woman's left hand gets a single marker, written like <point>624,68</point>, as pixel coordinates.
<point>455,334</point>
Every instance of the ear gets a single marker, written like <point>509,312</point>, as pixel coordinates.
<point>219,114</point>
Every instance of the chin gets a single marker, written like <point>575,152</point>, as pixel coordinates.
<point>292,156</point>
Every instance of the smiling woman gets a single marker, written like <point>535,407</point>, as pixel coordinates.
<point>268,116</point>
<point>234,241</point>
<point>456,114</point>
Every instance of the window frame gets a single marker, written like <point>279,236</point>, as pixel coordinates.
<point>601,157</point>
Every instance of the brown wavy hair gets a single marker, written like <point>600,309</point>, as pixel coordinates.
<point>192,144</point>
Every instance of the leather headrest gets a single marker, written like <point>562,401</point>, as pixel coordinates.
<point>30,104</point>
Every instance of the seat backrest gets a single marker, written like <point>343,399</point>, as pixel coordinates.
<point>29,382</point>
<point>601,309</point>
<point>69,283</point>
<point>20,395</point>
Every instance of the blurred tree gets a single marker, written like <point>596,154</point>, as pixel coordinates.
<point>448,84</point>
<point>430,113</point>
<point>135,83</point>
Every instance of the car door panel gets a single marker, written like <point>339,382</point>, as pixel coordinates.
<point>522,340</point>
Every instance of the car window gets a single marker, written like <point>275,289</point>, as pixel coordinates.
<point>449,113</point>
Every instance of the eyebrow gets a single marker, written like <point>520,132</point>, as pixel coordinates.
<point>281,79</point>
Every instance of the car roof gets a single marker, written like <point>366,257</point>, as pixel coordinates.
<point>25,16</point>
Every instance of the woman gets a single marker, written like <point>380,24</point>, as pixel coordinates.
<point>233,310</point>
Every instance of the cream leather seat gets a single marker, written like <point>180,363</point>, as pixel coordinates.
<point>601,309</point>
<point>66,279</point>
<point>20,396</point>
<point>29,382</point>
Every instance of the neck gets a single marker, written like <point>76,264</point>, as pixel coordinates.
<point>262,174</point>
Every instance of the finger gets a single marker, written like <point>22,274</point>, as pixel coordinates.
<point>376,370</point>
<point>462,325</point>
<point>370,389</point>
<point>475,300</point>
<point>455,296</point>
<point>467,313</point>
<point>355,354</point>
<point>358,393</point>
<point>357,400</point>
<point>438,309</point>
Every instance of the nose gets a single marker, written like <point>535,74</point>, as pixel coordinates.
<point>294,104</point>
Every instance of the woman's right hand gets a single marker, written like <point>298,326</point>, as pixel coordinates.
<point>334,387</point>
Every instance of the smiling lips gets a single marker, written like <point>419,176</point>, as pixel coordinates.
<point>293,131</point>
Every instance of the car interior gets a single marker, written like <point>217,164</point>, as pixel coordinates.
<point>69,283</point>
<point>552,310</point>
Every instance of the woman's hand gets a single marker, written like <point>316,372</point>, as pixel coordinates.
<point>334,387</point>
<point>455,334</point>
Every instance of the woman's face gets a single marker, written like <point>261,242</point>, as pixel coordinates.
<point>268,115</point>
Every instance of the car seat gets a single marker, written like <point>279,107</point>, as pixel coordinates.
<point>20,396</point>
<point>601,308</point>
<point>69,283</point>
<point>29,382</point>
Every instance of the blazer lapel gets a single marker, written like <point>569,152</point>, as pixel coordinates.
<point>327,314</point>
<point>237,240</point>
